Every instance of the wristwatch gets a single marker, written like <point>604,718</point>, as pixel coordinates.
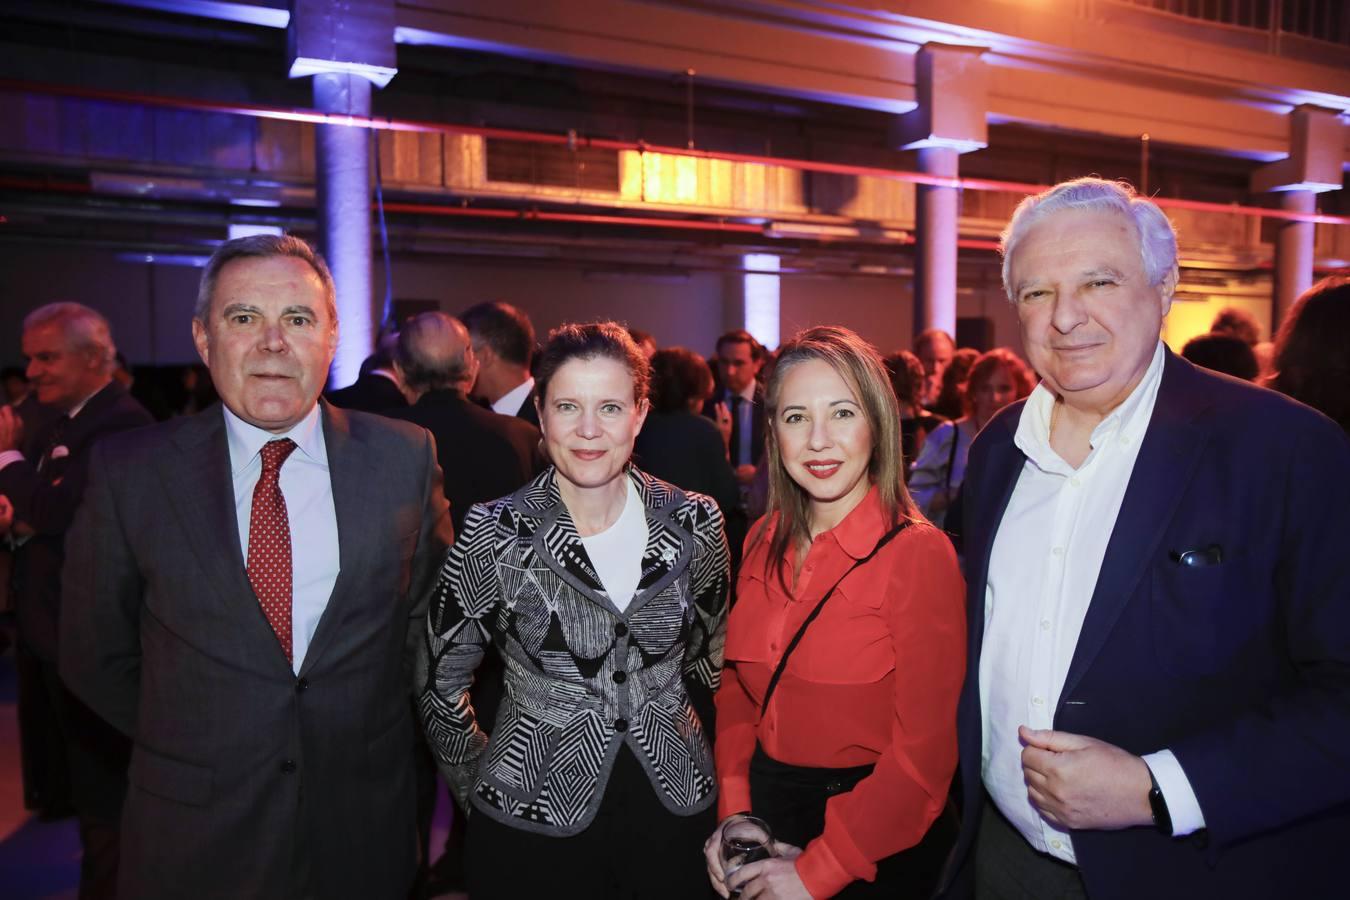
<point>1157,804</point>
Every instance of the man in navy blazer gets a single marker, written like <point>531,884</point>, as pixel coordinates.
<point>1158,696</point>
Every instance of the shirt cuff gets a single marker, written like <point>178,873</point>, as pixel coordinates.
<point>1182,804</point>
<point>9,456</point>
<point>821,872</point>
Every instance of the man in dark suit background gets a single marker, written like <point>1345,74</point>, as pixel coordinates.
<point>376,389</point>
<point>240,599</point>
<point>1158,695</point>
<point>503,342</point>
<point>70,366</point>
<point>737,408</point>
<point>739,359</point>
<point>484,455</point>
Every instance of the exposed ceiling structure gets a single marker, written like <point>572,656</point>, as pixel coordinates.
<point>167,181</point>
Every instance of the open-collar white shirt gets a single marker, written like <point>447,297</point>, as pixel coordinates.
<point>1043,569</point>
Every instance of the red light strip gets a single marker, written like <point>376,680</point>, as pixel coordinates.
<point>314,117</point>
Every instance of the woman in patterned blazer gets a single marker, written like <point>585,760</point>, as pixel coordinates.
<point>605,590</point>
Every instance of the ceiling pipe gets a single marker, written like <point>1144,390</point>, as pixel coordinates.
<point>573,140</point>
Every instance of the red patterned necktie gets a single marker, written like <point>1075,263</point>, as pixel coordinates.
<point>269,543</point>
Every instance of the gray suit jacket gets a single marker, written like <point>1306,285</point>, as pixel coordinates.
<point>246,780</point>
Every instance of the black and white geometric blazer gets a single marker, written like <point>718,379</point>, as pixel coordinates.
<point>582,678</point>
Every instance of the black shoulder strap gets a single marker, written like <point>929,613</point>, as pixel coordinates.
<point>801,632</point>
<point>951,454</point>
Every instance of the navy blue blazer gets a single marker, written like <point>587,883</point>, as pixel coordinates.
<point>1241,669</point>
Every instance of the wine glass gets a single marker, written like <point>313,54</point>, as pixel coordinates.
<point>745,839</point>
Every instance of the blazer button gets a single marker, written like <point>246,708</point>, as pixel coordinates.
<point>287,766</point>
<point>620,724</point>
<point>620,677</point>
<point>620,630</point>
<point>302,685</point>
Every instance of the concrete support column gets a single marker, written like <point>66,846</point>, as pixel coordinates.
<point>1316,152</point>
<point>951,84</point>
<point>1293,254</point>
<point>347,48</point>
<point>342,156</point>
<point>937,214</point>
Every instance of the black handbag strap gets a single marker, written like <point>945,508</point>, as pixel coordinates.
<point>951,455</point>
<point>801,632</point>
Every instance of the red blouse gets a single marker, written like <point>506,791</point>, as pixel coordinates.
<point>843,701</point>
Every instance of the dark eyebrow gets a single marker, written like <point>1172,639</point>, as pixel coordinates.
<point>303,310</point>
<point>235,309</point>
<point>845,400</point>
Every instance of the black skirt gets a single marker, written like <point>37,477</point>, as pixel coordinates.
<point>635,849</point>
<point>791,799</point>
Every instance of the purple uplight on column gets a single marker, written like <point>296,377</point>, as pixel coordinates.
<point>343,171</point>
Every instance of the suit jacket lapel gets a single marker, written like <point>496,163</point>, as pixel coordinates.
<point>355,482</point>
<point>1168,457</point>
<point>993,492</point>
<point>201,489</point>
<point>556,542</point>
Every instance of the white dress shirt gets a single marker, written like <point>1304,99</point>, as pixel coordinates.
<point>509,404</point>
<point>1043,569</point>
<point>308,489</point>
<point>617,551</point>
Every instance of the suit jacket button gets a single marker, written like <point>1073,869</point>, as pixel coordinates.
<point>620,630</point>
<point>620,724</point>
<point>302,685</point>
<point>287,766</point>
<point>620,677</point>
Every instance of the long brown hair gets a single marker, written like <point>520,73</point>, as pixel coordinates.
<point>861,367</point>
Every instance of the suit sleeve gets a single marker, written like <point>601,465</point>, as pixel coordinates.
<point>708,582</point>
<point>434,538</point>
<point>1288,758</point>
<point>456,631</point>
<point>892,808</point>
<point>46,506</point>
<point>100,645</point>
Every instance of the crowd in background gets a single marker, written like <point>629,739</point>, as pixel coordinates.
<point>643,473</point>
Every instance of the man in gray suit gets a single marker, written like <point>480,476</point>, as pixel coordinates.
<point>240,601</point>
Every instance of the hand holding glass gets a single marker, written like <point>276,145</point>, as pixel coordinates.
<point>745,839</point>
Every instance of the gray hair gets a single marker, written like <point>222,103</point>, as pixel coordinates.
<point>261,246</point>
<point>84,328</point>
<point>433,352</point>
<point>1157,238</point>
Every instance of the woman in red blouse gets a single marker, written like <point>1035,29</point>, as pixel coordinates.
<point>850,760</point>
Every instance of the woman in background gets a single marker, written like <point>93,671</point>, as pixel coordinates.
<point>857,604</point>
<point>916,423</point>
<point>1312,350</point>
<point>950,403</point>
<point>677,443</point>
<point>997,378</point>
